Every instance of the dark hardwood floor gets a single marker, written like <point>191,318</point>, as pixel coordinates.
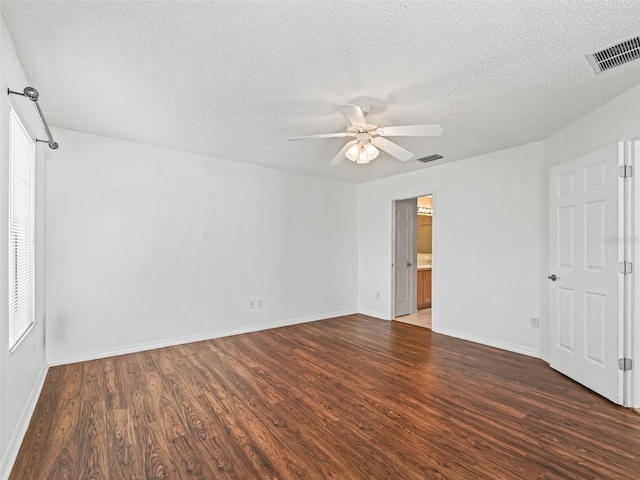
<point>350,398</point>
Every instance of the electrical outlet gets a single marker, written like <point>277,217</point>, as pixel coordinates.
<point>252,304</point>
<point>378,295</point>
<point>259,303</point>
<point>534,322</point>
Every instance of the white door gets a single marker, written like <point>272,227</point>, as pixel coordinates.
<point>405,257</point>
<point>587,229</point>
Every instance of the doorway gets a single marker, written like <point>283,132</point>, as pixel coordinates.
<point>413,261</point>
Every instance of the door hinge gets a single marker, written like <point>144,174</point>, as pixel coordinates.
<point>625,171</point>
<point>625,364</point>
<point>625,268</point>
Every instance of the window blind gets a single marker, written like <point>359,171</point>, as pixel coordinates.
<point>21,231</point>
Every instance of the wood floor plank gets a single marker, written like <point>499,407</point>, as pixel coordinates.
<point>60,464</point>
<point>344,398</point>
<point>90,431</point>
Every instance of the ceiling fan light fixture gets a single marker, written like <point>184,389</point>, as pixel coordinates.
<point>362,156</point>
<point>372,152</point>
<point>362,153</point>
<point>352,153</point>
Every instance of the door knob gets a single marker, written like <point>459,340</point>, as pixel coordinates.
<point>553,277</point>
<point>408,264</point>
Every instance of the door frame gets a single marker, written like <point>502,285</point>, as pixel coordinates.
<point>631,324</point>
<point>392,252</point>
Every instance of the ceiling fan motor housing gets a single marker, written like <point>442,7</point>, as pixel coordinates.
<point>363,137</point>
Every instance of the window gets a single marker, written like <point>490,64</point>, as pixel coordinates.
<point>21,231</point>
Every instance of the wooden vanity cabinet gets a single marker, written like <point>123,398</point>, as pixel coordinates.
<point>424,289</point>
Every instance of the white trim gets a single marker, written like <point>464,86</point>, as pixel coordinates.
<point>623,280</point>
<point>391,285</point>
<point>6,464</point>
<point>632,320</point>
<point>510,347</point>
<point>434,258</point>
<point>371,313</point>
<point>104,353</point>
<point>22,337</point>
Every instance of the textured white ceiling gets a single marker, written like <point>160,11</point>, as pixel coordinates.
<point>236,79</point>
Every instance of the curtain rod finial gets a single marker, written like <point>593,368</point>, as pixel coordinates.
<point>31,93</point>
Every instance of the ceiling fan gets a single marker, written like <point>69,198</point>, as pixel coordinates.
<point>369,138</point>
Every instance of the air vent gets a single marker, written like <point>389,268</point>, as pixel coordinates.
<point>430,158</point>
<point>615,55</point>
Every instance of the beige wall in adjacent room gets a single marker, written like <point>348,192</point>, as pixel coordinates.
<point>425,226</point>
<point>424,233</point>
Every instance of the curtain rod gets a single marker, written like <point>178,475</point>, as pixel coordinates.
<point>32,94</point>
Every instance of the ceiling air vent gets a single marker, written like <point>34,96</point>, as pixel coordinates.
<point>430,158</point>
<point>615,55</point>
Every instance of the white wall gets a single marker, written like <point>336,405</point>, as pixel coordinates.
<point>488,237</point>
<point>21,372</point>
<point>617,120</point>
<point>149,246</point>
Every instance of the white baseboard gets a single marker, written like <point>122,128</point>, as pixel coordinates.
<point>112,352</point>
<point>531,352</point>
<point>6,463</point>
<point>373,314</point>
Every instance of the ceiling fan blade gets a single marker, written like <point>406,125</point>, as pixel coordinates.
<point>392,149</point>
<point>323,135</point>
<point>411,131</point>
<point>354,114</point>
<point>339,158</point>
